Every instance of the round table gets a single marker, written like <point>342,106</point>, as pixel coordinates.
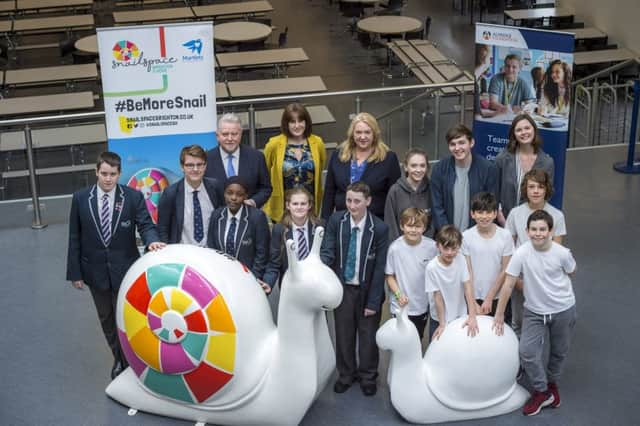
<point>389,24</point>
<point>241,32</point>
<point>87,44</point>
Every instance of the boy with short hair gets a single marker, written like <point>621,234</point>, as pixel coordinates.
<point>447,277</point>
<point>487,249</point>
<point>405,269</point>
<point>549,308</point>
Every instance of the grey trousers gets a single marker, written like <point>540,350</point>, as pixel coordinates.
<point>536,329</point>
<point>517,301</point>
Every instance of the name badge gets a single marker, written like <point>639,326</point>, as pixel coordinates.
<point>125,224</point>
<point>247,242</point>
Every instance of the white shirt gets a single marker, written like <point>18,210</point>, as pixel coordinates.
<point>486,257</point>
<point>112,198</point>
<point>235,160</point>
<point>449,281</point>
<point>408,263</point>
<point>206,207</point>
<point>546,283</point>
<point>238,215</point>
<point>360,226</point>
<point>517,222</point>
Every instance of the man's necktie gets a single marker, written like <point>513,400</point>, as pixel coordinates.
<point>231,171</point>
<point>198,227</point>
<point>303,250</point>
<point>230,245</point>
<point>350,267</point>
<point>105,219</point>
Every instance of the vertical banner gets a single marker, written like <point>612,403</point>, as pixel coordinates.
<point>158,85</point>
<point>523,70</point>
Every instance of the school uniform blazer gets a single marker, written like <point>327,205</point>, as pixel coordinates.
<point>274,155</point>
<point>379,176</point>
<point>482,178</point>
<point>278,262</point>
<point>171,208</point>
<point>252,168</point>
<point>89,258</point>
<point>252,237</point>
<point>373,254</point>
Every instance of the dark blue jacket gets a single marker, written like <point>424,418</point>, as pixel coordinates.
<point>101,265</point>
<point>373,254</point>
<point>252,169</point>
<point>379,176</point>
<point>482,178</point>
<point>171,208</point>
<point>252,237</point>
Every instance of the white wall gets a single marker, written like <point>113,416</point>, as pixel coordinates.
<point>618,18</point>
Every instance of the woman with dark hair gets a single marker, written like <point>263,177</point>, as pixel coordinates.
<point>363,156</point>
<point>556,91</point>
<point>522,154</point>
<point>295,158</point>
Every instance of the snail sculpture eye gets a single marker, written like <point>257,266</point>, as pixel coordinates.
<point>177,333</point>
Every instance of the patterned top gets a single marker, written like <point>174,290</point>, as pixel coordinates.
<point>296,172</point>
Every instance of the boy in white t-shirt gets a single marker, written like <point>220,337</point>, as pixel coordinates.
<point>447,277</point>
<point>537,189</point>
<point>406,262</point>
<point>487,249</point>
<point>549,308</point>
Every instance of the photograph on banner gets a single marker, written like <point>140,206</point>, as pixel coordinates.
<point>512,80</point>
<point>158,86</point>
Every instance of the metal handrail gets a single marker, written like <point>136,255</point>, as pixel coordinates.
<point>606,71</point>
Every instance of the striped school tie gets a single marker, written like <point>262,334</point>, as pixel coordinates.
<point>303,250</point>
<point>198,227</point>
<point>105,219</point>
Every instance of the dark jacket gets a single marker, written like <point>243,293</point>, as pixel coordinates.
<point>379,176</point>
<point>402,196</point>
<point>482,178</point>
<point>373,253</point>
<point>278,262</point>
<point>101,265</point>
<point>252,169</point>
<point>252,237</point>
<point>171,208</point>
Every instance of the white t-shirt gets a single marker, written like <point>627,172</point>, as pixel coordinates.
<point>517,222</point>
<point>486,257</point>
<point>408,264</point>
<point>547,286</point>
<point>449,281</point>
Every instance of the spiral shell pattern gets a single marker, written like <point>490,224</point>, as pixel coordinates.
<point>179,336</point>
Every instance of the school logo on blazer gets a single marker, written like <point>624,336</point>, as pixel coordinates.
<point>247,242</point>
<point>125,224</point>
<point>371,256</point>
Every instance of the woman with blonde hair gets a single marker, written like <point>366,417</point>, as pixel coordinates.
<point>295,158</point>
<point>363,156</point>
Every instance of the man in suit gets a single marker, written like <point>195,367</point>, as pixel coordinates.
<point>186,206</point>
<point>355,246</point>
<point>230,158</point>
<point>102,243</point>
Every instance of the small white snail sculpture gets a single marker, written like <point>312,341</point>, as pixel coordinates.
<point>198,333</point>
<point>460,377</point>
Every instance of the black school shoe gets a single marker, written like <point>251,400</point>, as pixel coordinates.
<point>368,389</point>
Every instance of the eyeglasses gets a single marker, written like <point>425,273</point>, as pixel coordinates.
<point>192,166</point>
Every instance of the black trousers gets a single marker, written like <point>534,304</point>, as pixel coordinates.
<point>105,302</point>
<point>353,327</point>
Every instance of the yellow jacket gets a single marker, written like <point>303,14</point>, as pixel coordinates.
<point>274,155</point>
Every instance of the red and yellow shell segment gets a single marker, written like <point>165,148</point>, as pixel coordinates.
<point>179,336</point>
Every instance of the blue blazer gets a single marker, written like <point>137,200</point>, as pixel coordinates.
<point>101,265</point>
<point>252,237</point>
<point>278,262</point>
<point>482,178</point>
<point>252,168</point>
<point>171,208</point>
<point>373,254</point>
<point>379,176</point>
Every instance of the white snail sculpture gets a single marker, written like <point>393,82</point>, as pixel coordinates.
<point>198,333</point>
<point>460,377</point>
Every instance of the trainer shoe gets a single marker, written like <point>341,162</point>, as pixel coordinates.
<point>553,388</point>
<point>537,402</point>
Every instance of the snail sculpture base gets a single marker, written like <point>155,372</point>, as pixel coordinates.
<point>460,378</point>
<point>198,333</point>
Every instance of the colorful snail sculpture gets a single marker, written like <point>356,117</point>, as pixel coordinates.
<point>460,377</point>
<point>198,333</point>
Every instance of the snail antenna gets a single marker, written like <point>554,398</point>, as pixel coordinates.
<point>317,241</point>
<point>291,255</point>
